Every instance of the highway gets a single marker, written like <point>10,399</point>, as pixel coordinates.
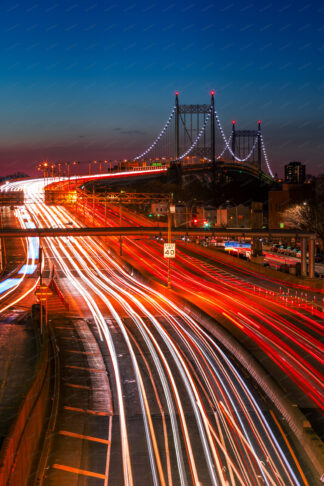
<point>184,411</point>
<point>289,331</point>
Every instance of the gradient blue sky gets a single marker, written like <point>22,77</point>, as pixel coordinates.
<point>71,75</point>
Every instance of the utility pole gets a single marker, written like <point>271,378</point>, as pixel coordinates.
<point>68,171</point>
<point>120,223</point>
<point>169,241</point>
<point>106,207</point>
<point>93,204</point>
<point>170,213</point>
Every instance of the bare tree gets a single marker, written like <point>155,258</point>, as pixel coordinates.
<point>309,215</point>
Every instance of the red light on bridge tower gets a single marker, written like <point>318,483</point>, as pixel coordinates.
<point>233,122</point>
<point>177,93</point>
<point>212,92</point>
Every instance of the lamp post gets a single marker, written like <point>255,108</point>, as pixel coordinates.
<point>68,172</point>
<point>170,213</point>
<point>45,165</point>
<point>76,164</point>
<point>120,223</point>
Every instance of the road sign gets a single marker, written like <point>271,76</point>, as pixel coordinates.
<point>169,250</point>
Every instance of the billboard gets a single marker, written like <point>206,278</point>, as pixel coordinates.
<point>231,245</point>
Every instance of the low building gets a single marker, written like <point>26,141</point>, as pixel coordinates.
<point>204,214</point>
<point>233,216</point>
<point>182,215</point>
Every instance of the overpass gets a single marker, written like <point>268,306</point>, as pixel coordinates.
<point>153,230</point>
<point>304,237</point>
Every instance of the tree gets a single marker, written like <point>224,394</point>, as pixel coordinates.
<point>309,215</point>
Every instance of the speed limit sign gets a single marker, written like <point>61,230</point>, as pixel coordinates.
<point>169,250</point>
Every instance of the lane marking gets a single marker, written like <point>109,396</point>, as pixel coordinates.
<point>72,385</point>
<point>78,471</point>
<point>81,352</point>
<point>83,368</point>
<point>82,410</point>
<point>84,437</point>
<point>290,448</point>
<point>71,337</point>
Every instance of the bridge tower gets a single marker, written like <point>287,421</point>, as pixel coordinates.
<point>212,126</point>
<point>176,126</point>
<point>188,121</point>
<point>243,141</point>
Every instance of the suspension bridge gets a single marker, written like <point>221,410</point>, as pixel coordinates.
<point>193,137</point>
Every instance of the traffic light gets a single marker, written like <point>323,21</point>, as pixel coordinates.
<point>206,224</point>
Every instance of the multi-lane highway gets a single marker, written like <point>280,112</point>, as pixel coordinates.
<point>288,330</point>
<point>183,410</point>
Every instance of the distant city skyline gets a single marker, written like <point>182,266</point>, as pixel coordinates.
<point>97,80</point>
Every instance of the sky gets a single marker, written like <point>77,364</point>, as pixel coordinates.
<point>90,80</point>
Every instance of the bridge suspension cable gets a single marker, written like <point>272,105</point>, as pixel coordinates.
<point>158,138</point>
<point>202,131</point>
<point>266,156</point>
<point>227,146</point>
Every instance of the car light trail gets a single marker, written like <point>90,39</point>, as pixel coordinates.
<point>225,438</point>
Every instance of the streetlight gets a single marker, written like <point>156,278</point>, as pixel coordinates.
<point>170,212</point>
<point>45,165</point>
<point>68,171</point>
<point>76,164</point>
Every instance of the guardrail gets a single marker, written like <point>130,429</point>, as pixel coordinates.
<point>20,447</point>
<point>57,289</point>
<point>49,433</point>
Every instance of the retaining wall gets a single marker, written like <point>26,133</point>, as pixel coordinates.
<point>20,448</point>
